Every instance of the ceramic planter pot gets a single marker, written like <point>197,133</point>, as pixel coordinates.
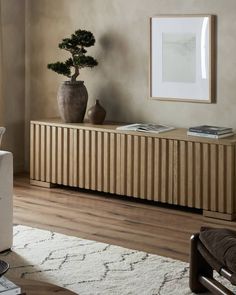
<point>72,101</point>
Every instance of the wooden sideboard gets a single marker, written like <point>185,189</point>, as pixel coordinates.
<point>169,167</point>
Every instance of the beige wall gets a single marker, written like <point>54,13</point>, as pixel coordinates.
<point>13,77</point>
<point>121,29</point>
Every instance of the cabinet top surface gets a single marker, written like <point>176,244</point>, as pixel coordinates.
<point>176,134</point>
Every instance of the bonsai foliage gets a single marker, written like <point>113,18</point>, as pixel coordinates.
<point>76,46</point>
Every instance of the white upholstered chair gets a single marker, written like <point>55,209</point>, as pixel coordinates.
<point>6,200</point>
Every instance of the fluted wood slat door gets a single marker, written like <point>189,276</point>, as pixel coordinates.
<point>137,166</point>
<point>175,171</point>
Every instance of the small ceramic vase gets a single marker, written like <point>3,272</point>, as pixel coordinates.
<point>96,113</point>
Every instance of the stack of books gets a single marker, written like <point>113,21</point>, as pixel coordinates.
<point>210,131</point>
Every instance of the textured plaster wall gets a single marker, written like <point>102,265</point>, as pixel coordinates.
<point>121,81</point>
<point>13,77</point>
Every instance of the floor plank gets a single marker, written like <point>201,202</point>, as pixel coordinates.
<point>111,219</point>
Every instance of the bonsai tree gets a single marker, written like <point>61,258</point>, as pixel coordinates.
<point>76,46</point>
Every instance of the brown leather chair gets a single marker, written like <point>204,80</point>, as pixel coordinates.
<point>202,264</point>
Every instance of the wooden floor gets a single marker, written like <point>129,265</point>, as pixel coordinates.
<point>109,219</point>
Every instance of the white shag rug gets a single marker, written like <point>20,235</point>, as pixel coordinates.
<point>92,268</point>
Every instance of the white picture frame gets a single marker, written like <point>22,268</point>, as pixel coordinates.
<point>182,66</point>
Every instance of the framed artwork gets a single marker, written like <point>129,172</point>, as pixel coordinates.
<point>182,58</point>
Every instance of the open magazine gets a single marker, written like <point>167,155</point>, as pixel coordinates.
<point>152,128</point>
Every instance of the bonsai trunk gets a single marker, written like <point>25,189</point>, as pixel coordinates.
<point>76,74</point>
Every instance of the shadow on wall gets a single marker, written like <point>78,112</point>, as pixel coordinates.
<point>110,99</point>
<point>116,67</point>
<point>117,58</point>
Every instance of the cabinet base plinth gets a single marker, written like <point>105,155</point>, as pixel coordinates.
<point>42,183</point>
<point>218,215</point>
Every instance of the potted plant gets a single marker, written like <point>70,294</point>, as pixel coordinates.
<point>72,95</point>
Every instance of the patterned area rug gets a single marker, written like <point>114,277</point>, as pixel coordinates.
<point>92,268</point>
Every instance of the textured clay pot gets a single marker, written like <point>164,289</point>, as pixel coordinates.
<point>72,101</point>
<point>96,113</point>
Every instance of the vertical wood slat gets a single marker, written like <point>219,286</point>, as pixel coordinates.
<point>230,180</point>
<point>93,184</point>
<point>123,166</point>
<point>42,153</point>
<point>81,159</point>
<point>149,169</point>
<point>157,170</point>
<point>136,172</point>
<point>99,161</point>
<point>113,158</point>
<point>54,154</point>
<point>213,178</point>
<point>106,162</point>
<point>37,152</point>
<point>198,176</point>
<point>75,158</point>
<point>32,151</point>
<point>143,169</point>
<point>206,176</point>
<point>129,169</point>
<point>176,181</point>
<point>170,168</point>
<point>118,163</point>
<point>65,156</point>
<point>48,153</point>
<point>87,153</point>
<point>221,179</point>
<point>60,155</point>
<point>71,156</point>
<point>164,170</point>
<point>190,169</point>
<point>183,173</point>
